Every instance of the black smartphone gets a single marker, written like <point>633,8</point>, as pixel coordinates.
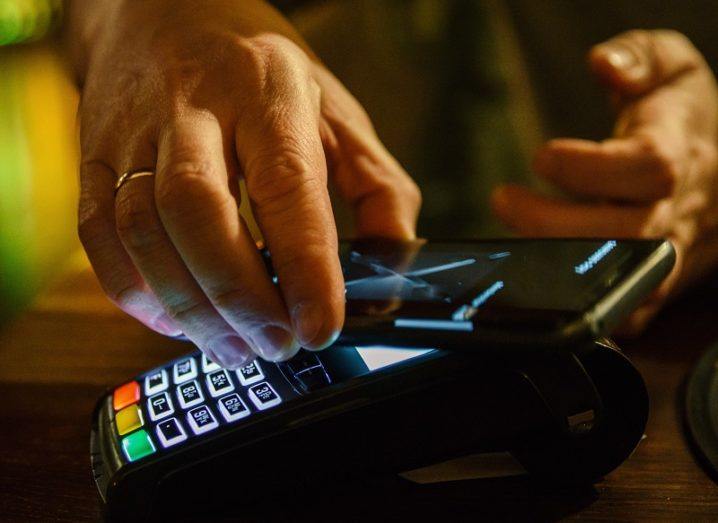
<point>476,295</point>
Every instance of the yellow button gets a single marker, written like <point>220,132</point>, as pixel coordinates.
<point>128,419</point>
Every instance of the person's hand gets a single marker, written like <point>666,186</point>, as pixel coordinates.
<point>656,177</point>
<point>204,93</point>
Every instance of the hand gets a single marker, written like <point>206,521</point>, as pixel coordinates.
<point>656,177</point>
<point>205,95</point>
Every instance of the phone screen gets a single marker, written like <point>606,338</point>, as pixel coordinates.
<point>545,280</point>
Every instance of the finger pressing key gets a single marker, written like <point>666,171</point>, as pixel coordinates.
<point>202,220</point>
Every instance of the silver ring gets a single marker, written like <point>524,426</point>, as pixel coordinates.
<point>130,175</point>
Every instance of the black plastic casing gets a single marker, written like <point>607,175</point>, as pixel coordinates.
<point>570,417</point>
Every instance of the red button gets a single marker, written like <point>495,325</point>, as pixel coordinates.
<point>125,395</point>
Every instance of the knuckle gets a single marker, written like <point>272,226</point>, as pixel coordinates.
<point>92,224</point>
<point>667,167</point>
<point>411,194</point>
<point>232,297</point>
<point>281,182</point>
<point>181,183</point>
<point>307,252</point>
<point>182,308</point>
<point>136,223</point>
<point>121,293</point>
<point>273,47</point>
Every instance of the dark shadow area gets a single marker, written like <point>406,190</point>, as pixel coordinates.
<point>395,499</point>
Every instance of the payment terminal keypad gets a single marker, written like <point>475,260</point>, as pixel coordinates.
<point>170,432</point>
<point>160,406</point>
<point>189,394</point>
<point>186,399</point>
<point>250,374</point>
<point>218,383</point>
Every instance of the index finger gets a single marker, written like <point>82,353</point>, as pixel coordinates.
<point>629,169</point>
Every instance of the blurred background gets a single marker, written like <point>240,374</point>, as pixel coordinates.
<point>38,153</point>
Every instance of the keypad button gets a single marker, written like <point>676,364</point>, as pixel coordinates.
<point>189,394</point>
<point>128,419</point>
<point>218,383</point>
<point>184,370</point>
<point>160,406</point>
<point>202,420</point>
<point>127,394</point>
<point>232,407</point>
<point>250,373</point>
<point>208,365</point>
<point>264,396</point>
<point>156,382</point>
<point>170,432</point>
<point>137,445</point>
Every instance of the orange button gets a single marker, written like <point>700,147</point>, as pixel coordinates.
<point>127,394</point>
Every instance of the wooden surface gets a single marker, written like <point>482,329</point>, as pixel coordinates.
<point>58,357</point>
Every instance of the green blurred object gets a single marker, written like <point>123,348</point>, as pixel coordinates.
<point>27,20</point>
<point>38,185</point>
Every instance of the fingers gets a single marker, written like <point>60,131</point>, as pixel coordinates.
<point>638,61</point>
<point>285,171</point>
<point>630,169</point>
<point>385,199</point>
<point>145,239</point>
<point>201,217</point>
<point>114,268</point>
<point>533,215</point>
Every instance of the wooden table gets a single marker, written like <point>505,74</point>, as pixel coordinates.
<point>58,357</point>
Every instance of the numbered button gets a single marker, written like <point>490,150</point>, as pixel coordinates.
<point>170,432</point>
<point>218,383</point>
<point>208,365</point>
<point>202,420</point>
<point>160,406</point>
<point>185,370</point>
<point>156,382</point>
<point>189,394</point>
<point>232,407</point>
<point>264,396</point>
<point>249,374</point>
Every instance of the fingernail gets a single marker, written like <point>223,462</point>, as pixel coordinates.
<point>621,58</point>
<point>274,343</point>
<point>231,351</point>
<point>308,320</point>
<point>165,324</point>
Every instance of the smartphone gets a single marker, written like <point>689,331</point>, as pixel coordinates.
<point>482,295</point>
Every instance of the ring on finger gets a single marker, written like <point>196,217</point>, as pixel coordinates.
<point>131,175</point>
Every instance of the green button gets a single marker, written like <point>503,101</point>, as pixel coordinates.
<point>137,445</point>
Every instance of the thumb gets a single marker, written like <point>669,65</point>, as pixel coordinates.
<point>639,61</point>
